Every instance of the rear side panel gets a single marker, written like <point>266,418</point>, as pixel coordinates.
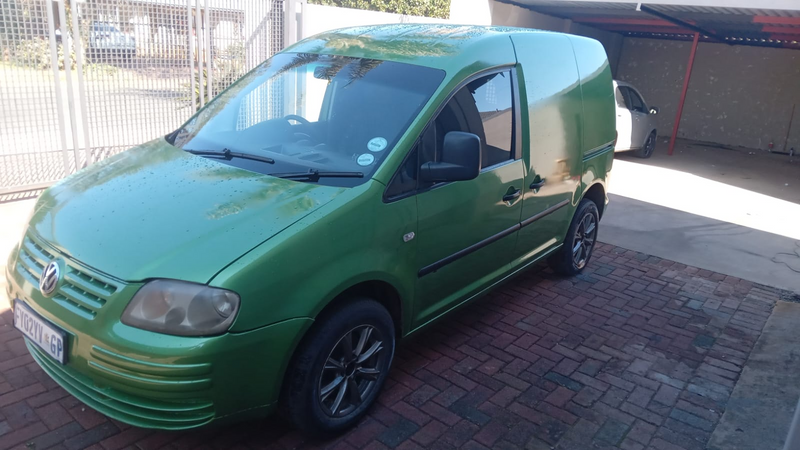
<point>552,125</point>
<point>599,126</point>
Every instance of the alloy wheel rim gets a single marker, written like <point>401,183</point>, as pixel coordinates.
<point>351,371</point>
<point>584,240</point>
<point>651,144</point>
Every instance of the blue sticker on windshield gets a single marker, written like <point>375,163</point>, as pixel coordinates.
<point>365,159</point>
<point>377,144</point>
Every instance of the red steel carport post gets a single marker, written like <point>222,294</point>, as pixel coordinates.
<point>683,94</point>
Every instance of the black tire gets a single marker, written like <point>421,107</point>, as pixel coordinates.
<point>321,360</point>
<point>565,261</point>
<point>649,146</point>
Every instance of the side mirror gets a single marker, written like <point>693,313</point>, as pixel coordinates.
<point>461,159</point>
<point>654,110</point>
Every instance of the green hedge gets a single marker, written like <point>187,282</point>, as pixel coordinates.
<point>35,53</point>
<point>427,8</point>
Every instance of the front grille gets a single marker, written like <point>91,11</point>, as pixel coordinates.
<point>82,292</point>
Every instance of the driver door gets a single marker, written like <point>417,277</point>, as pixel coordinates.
<point>624,119</point>
<point>640,116</point>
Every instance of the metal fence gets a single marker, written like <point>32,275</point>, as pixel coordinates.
<point>81,80</point>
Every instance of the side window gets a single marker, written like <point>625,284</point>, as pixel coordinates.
<point>626,95</point>
<point>637,104</point>
<point>483,107</point>
<point>493,98</point>
<point>405,180</point>
<point>622,102</point>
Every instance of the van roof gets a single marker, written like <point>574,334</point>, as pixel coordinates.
<point>442,46</point>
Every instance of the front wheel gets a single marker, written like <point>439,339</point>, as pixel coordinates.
<point>649,146</point>
<point>340,368</point>
<point>574,255</point>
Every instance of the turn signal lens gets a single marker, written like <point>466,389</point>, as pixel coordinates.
<point>182,309</point>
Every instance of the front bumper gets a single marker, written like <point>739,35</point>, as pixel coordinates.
<point>143,378</point>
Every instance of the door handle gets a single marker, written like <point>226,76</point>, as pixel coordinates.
<point>512,196</point>
<point>538,184</point>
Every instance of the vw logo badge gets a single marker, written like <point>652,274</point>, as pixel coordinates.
<point>49,278</point>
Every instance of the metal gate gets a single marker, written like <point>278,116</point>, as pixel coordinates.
<point>81,80</point>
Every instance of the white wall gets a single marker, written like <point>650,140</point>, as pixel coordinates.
<point>514,16</point>
<point>508,15</point>
<point>318,18</point>
<point>471,12</point>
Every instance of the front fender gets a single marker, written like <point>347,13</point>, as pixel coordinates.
<point>301,270</point>
<point>404,290</point>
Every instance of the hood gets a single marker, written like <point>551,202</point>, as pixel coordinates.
<point>156,211</point>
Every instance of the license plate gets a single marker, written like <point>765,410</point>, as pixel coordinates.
<point>45,335</point>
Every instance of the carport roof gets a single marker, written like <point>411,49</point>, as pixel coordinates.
<point>770,23</point>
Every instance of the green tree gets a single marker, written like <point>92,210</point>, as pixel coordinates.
<point>427,8</point>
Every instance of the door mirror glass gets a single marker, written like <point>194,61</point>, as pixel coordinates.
<point>461,159</point>
<point>654,110</point>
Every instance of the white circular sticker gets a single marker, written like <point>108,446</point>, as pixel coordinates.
<point>365,159</point>
<point>377,144</point>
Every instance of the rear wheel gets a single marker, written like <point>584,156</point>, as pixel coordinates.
<point>649,146</point>
<point>574,255</point>
<point>340,368</point>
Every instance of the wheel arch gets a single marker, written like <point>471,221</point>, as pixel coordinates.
<point>597,194</point>
<point>652,130</point>
<point>381,291</point>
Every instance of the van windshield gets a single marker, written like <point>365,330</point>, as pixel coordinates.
<point>322,114</point>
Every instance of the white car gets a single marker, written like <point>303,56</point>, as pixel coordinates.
<point>636,122</point>
<point>106,40</point>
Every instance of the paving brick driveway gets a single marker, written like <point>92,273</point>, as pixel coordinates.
<point>636,353</point>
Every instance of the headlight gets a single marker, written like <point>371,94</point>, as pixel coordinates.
<point>182,309</point>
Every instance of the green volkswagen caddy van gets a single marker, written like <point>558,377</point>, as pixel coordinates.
<point>344,194</point>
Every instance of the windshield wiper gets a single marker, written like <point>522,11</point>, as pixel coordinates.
<point>314,175</point>
<point>228,154</point>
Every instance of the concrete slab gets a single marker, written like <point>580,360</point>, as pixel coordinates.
<point>732,211</point>
<point>759,412</point>
<point>755,170</point>
<point>724,247</point>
